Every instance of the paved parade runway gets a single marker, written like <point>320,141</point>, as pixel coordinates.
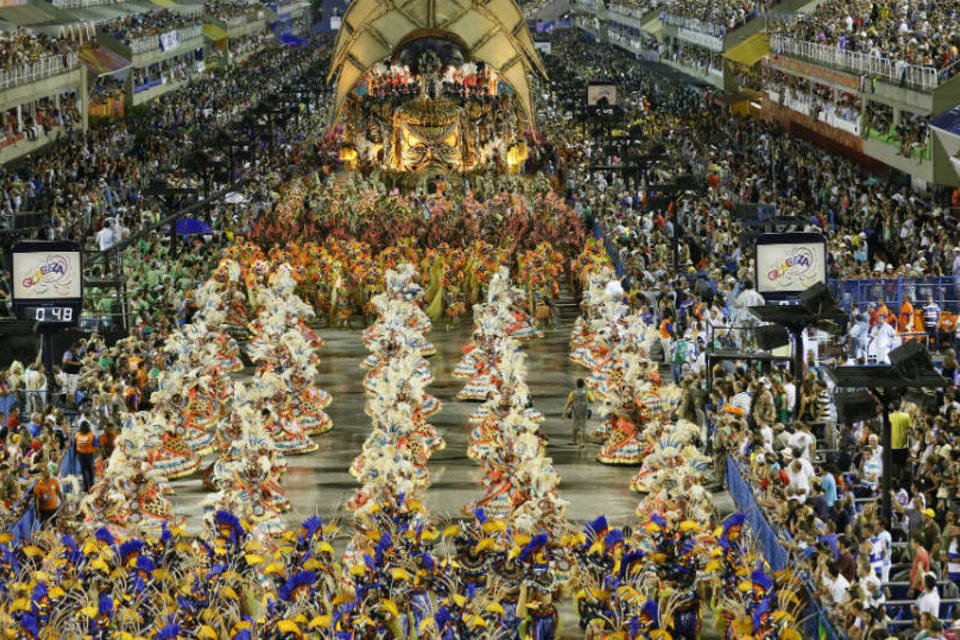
<point>319,482</point>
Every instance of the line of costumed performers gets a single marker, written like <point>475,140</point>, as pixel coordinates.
<point>123,567</point>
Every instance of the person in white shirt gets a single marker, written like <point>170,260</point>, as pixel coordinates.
<point>766,432</point>
<point>791,390</point>
<point>883,338</point>
<point>803,441</point>
<point>743,317</point>
<point>741,399</point>
<point>881,545</point>
<point>872,461</point>
<point>838,587</point>
<point>105,237</point>
<point>799,472</point>
<point>929,600</point>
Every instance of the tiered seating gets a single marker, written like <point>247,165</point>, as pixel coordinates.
<point>727,15</point>
<point>921,34</point>
<point>129,28</point>
<point>23,47</point>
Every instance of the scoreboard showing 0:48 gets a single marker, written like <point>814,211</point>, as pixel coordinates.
<point>47,282</point>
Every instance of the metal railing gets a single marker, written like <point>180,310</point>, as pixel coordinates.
<point>633,11</point>
<point>694,24</point>
<point>894,71</point>
<point>892,291</point>
<point>814,619</point>
<point>43,68</point>
<point>80,4</point>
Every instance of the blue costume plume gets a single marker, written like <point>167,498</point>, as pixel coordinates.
<point>536,543</point>
<point>289,589</point>
<point>103,535</point>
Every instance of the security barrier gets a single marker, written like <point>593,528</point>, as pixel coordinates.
<point>815,621</point>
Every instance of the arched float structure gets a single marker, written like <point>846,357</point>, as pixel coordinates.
<point>493,32</point>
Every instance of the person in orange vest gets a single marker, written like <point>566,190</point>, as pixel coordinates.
<point>883,313</point>
<point>86,444</point>
<point>47,493</point>
<point>666,332</point>
<point>905,320</point>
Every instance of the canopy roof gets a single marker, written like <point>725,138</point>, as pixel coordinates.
<point>493,32</point>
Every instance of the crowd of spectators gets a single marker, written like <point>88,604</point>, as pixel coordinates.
<point>919,33</point>
<point>41,121</point>
<point>99,177</point>
<point>23,47</point>
<point>703,60</point>
<point>818,481</point>
<point>817,98</point>
<point>132,27</point>
<point>726,14</point>
<point>223,9</point>
<point>820,484</point>
<point>95,186</point>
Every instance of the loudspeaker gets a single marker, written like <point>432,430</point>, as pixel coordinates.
<point>771,336</point>
<point>911,359</point>
<point>853,406</point>
<point>817,298</point>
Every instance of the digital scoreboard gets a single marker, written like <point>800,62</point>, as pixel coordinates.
<point>788,263</point>
<point>47,282</point>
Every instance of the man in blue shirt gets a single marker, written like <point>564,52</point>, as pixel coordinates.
<point>829,484</point>
<point>34,425</point>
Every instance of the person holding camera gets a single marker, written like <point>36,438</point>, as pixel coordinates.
<point>578,408</point>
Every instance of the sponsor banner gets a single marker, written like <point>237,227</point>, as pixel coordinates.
<point>170,40</point>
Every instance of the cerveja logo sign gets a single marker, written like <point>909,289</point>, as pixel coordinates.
<point>796,267</point>
<point>52,271</point>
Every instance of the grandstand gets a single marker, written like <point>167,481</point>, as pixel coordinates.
<point>863,78</point>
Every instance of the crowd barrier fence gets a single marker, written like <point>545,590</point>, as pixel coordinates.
<point>814,618</point>
<point>944,289</point>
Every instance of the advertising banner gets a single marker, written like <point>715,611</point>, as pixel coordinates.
<point>169,41</point>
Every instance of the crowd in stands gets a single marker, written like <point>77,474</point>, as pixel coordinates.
<point>99,177</point>
<point>168,71</point>
<point>41,121</point>
<point>919,33</point>
<point>818,481</point>
<point>818,98</point>
<point>142,25</point>
<point>97,182</point>
<point>694,57</point>
<point>22,47</point>
<point>223,9</point>
<point>106,88</point>
<point>726,14</point>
